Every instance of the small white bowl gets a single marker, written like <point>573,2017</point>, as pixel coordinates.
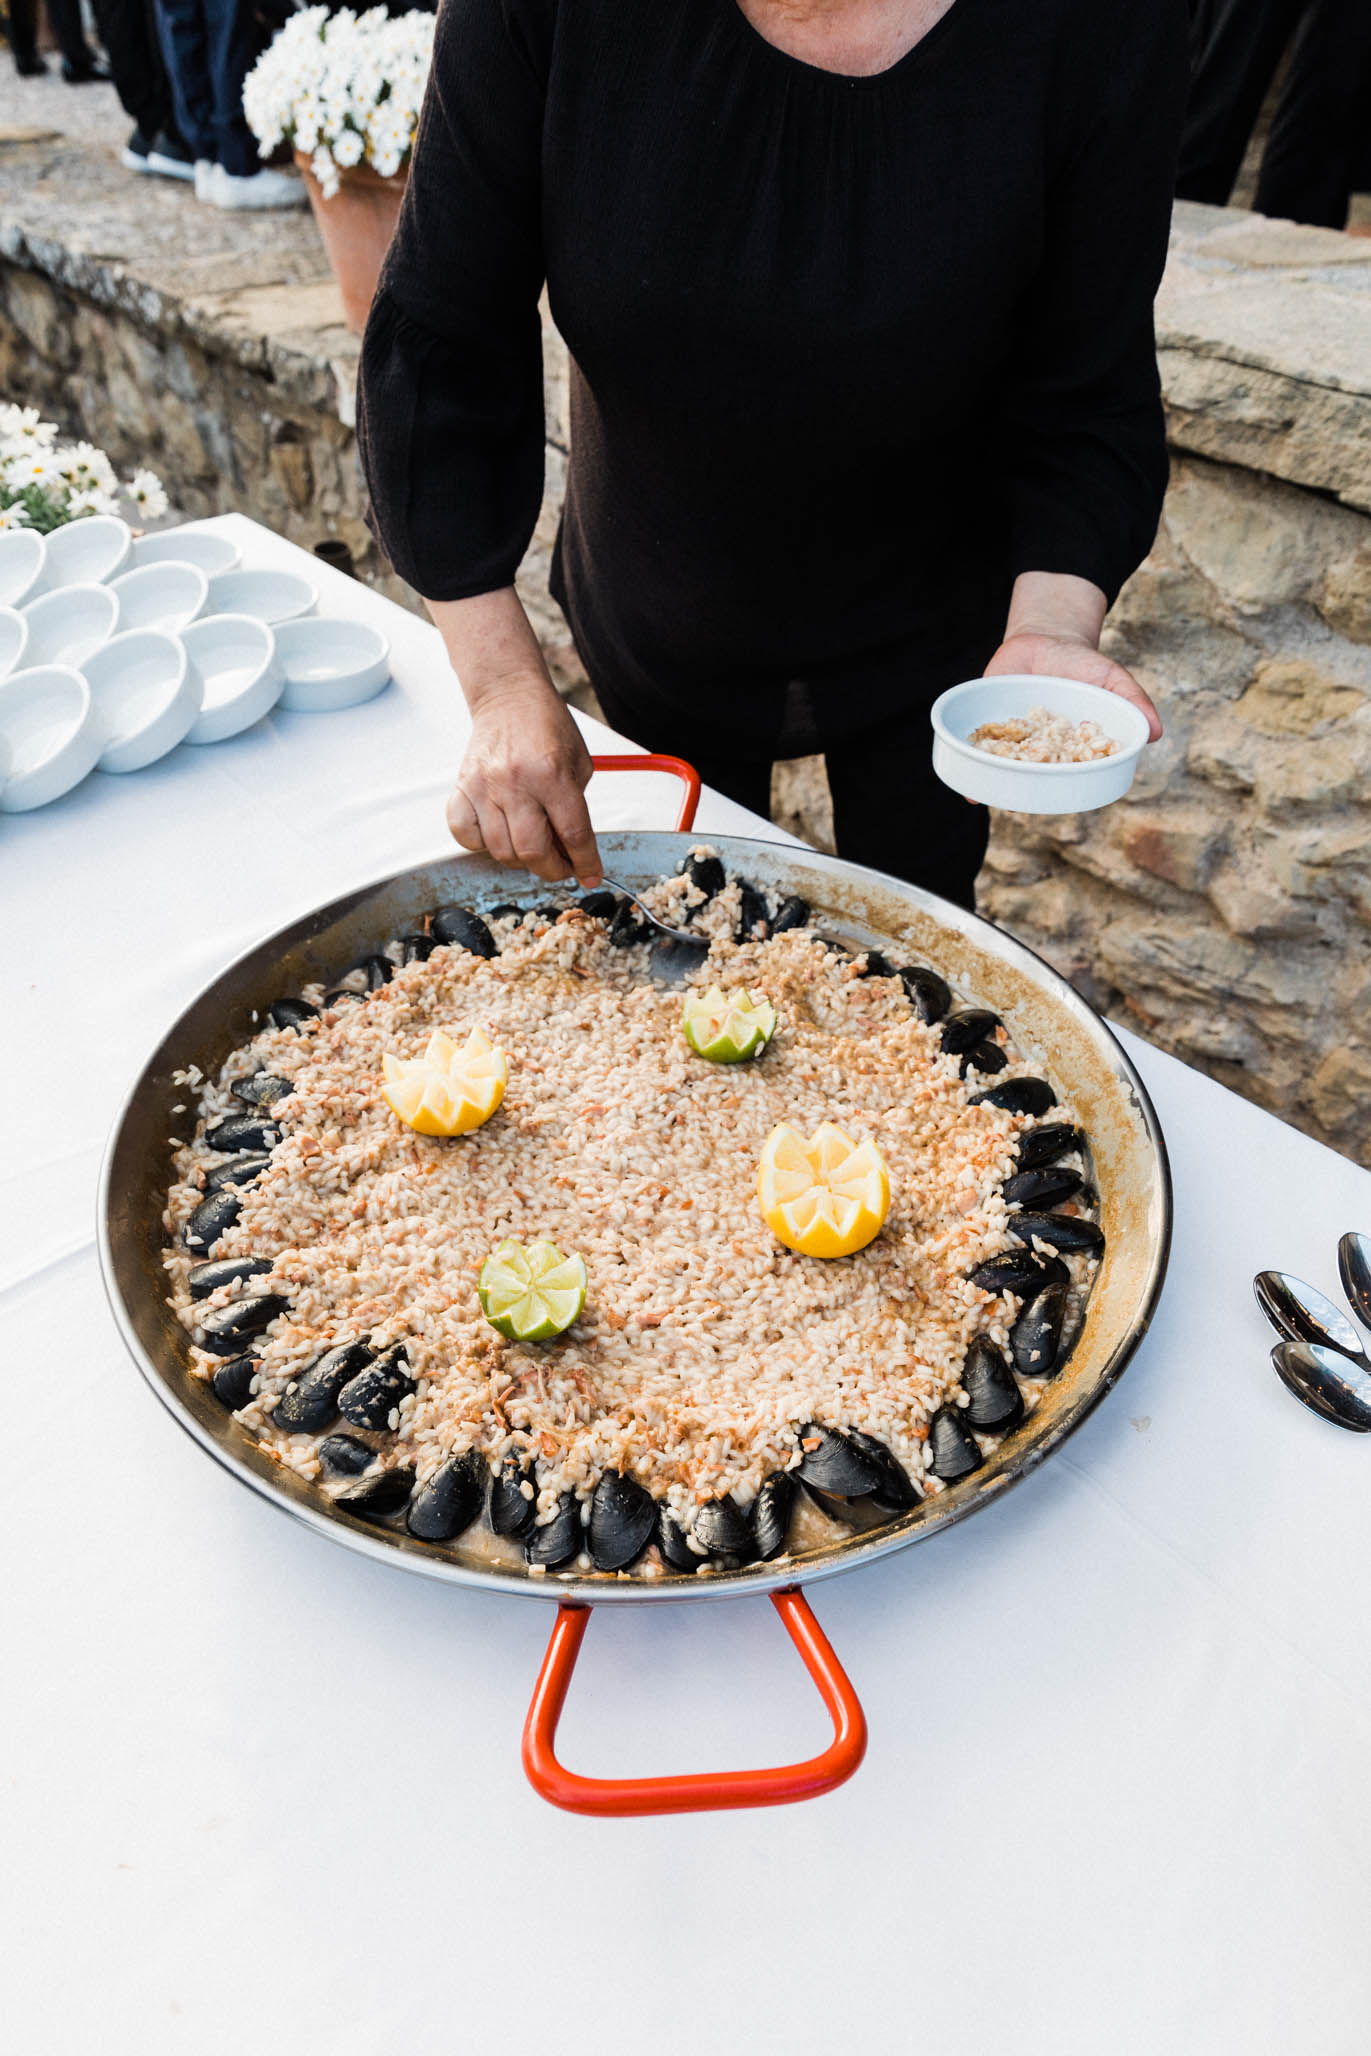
<point>269,596</point>
<point>14,640</point>
<point>1034,788</point>
<point>65,626</point>
<point>48,722</point>
<point>167,596</point>
<point>23,556</point>
<point>89,551</point>
<point>146,693</point>
<point>235,658</point>
<point>188,545</point>
<point>329,664</point>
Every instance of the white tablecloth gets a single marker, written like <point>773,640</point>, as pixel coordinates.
<point>261,1794</point>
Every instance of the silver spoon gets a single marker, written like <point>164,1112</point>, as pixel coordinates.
<point>1354,1268</point>
<point>1329,1383</point>
<point>681,935</point>
<point>1301,1313</point>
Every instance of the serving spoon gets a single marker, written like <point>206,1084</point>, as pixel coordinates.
<point>1321,1360</point>
<point>1301,1313</point>
<point>1354,1268</point>
<point>1336,1386</point>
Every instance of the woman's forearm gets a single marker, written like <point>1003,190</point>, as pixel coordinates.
<point>1057,604</point>
<point>490,644</point>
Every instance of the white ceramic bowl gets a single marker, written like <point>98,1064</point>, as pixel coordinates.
<point>329,664</point>
<point>1034,788</point>
<point>48,722</point>
<point>188,545</point>
<point>65,626</point>
<point>235,657</point>
<point>14,640</point>
<point>90,551</point>
<point>167,596</point>
<point>23,556</point>
<point>269,596</point>
<point>146,693</point>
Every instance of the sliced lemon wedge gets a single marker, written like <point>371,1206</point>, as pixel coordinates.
<point>530,1292</point>
<point>728,1027</point>
<point>449,1089</point>
<point>825,1197</point>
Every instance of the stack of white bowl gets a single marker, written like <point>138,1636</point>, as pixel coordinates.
<point>113,651</point>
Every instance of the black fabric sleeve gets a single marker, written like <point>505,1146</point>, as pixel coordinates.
<point>1082,409</point>
<point>449,394</point>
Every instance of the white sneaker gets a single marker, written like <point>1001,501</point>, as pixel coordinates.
<point>264,188</point>
<point>205,168</point>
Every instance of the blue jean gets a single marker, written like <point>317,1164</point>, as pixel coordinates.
<point>210,46</point>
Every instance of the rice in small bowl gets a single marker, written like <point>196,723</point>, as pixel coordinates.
<point>1015,782</point>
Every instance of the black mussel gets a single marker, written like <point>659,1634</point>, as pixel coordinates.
<point>212,1218</point>
<point>771,1511</point>
<point>262,1089</point>
<point>875,965</point>
<point>961,1032</point>
<point>628,926</point>
<point>1040,1146</point>
<point>505,911</point>
<point>225,1328</point>
<point>467,930</point>
<point>929,995</point>
<point>243,1132</point>
<point>449,1501</point>
<point>1036,1336</point>
<point>550,910</point>
<point>416,947</point>
<point>896,1492</point>
<point>793,912</point>
<point>955,1454</point>
<point>832,1461</point>
<point>232,1381</point>
<point>754,921</point>
<point>310,1400</point>
<point>344,1455</point>
<point>987,1057</point>
<point>376,1498</point>
<point>376,972</point>
<point>225,1270</point>
<point>706,874</point>
<point>996,1401</point>
<point>1019,1096</point>
<point>291,1013</point>
<point>1047,1186</point>
<point>622,1518</point>
<point>599,905</point>
<point>559,1539</point>
<point>723,1529</point>
<point>672,960</point>
<point>369,1398</point>
<point>512,1510</point>
<point>243,1170</point>
<point>671,1540</point>
<point>343,996</point>
<point>1020,1271</point>
<point>1058,1231</point>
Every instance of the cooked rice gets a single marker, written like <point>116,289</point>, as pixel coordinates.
<point>1038,737</point>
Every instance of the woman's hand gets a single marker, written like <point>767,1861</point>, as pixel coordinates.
<point>520,794</point>
<point>1053,631</point>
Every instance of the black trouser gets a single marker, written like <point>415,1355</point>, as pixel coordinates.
<point>65,16</point>
<point>210,46</point>
<point>889,811</point>
<point>1311,164</point>
<point>135,61</point>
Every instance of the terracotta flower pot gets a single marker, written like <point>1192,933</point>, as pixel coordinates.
<point>356,225</point>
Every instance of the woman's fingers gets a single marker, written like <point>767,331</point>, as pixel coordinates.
<point>1127,687</point>
<point>570,818</point>
<point>463,821</point>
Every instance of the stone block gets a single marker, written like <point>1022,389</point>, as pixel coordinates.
<point>1339,1098</point>
<point>1181,844</point>
<point>1292,696</point>
<point>1345,597</point>
<point>1254,541</point>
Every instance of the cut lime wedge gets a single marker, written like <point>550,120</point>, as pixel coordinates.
<point>728,1027</point>
<point>530,1292</point>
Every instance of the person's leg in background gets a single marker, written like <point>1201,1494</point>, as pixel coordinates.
<point>21,27</point>
<point>240,179</point>
<point>1235,47</point>
<point>181,35</point>
<point>1313,157</point>
<point>79,66</point>
<point>140,79</point>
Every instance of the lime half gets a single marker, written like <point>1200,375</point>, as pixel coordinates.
<point>530,1291</point>
<point>728,1027</point>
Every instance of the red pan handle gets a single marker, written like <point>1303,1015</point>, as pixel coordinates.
<point>677,766</point>
<point>710,1791</point>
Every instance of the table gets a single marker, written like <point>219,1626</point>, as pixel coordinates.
<point>262,1794</point>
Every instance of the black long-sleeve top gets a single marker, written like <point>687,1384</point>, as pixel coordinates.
<point>848,354</point>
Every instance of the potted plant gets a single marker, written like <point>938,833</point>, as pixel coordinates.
<point>44,484</point>
<point>344,91</point>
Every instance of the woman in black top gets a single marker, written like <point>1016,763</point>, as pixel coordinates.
<point>858,295</point>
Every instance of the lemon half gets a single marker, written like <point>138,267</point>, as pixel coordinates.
<point>825,1197</point>
<point>448,1090</point>
<point>530,1292</point>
